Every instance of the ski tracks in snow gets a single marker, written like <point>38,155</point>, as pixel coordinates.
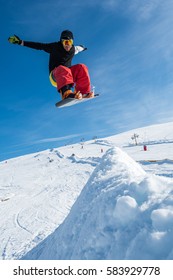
<point>18,223</point>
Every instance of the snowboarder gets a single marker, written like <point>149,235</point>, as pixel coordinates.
<point>71,81</point>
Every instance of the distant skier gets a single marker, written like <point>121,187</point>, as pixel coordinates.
<point>62,74</point>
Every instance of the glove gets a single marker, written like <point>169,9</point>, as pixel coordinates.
<point>15,40</point>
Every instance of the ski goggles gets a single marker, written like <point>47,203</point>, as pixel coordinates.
<point>67,42</point>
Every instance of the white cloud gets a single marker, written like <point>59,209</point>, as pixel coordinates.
<point>55,139</point>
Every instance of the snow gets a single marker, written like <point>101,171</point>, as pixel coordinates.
<point>105,199</point>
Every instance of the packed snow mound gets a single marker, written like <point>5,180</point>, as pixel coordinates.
<point>121,213</point>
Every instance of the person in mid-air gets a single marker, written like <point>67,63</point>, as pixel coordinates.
<point>71,81</point>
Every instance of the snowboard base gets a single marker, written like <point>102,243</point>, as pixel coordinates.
<point>72,101</point>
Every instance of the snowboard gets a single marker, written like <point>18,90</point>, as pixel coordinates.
<point>72,101</point>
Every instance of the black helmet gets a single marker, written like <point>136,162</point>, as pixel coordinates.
<point>66,34</point>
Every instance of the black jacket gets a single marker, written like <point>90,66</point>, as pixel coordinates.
<point>58,55</point>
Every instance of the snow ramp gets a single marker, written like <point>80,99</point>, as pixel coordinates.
<point>121,213</point>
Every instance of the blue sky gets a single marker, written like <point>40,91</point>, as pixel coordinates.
<point>130,60</point>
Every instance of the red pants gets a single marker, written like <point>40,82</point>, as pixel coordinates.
<point>75,75</point>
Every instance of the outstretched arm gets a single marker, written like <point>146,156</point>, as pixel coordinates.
<point>37,46</point>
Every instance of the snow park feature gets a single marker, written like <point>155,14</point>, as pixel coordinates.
<point>70,203</point>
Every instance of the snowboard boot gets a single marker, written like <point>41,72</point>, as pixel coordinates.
<point>88,95</point>
<point>66,92</point>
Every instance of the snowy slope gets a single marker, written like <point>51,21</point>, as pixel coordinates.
<point>125,209</point>
<point>36,193</point>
